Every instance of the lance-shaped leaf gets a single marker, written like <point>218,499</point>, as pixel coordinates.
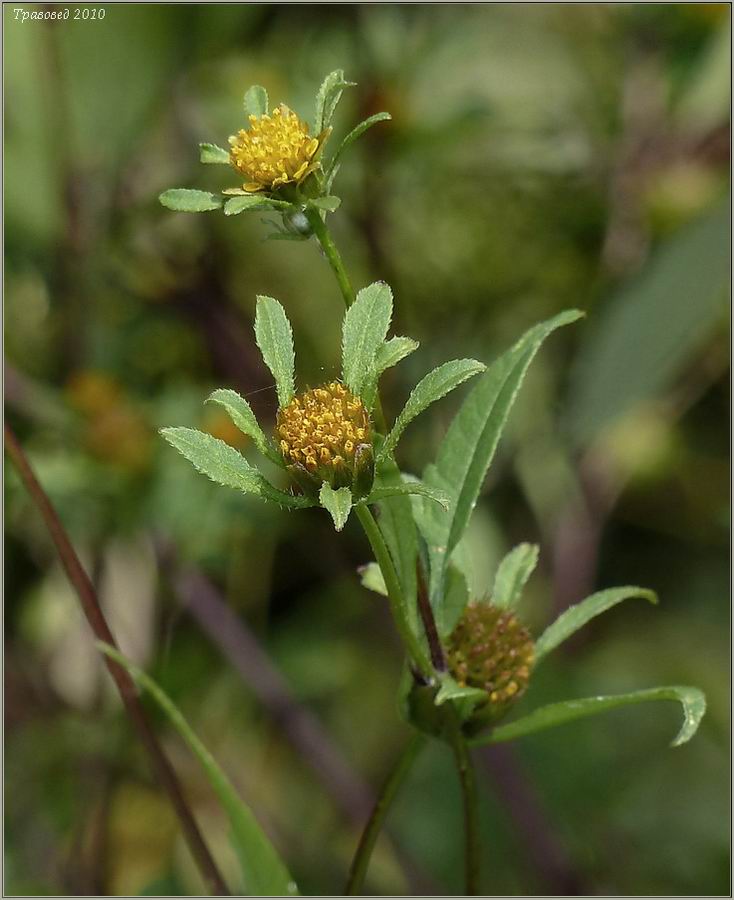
<point>210,153</point>
<point>264,872</point>
<point>357,133</point>
<point>430,388</point>
<point>337,502</point>
<point>577,616</point>
<point>226,466</point>
<point>256,101</point>
<point>408,487</point>
<point>249,202</point>
<point>243,417</point>
<point>468,448</point>
<point>188,200</point>
<point>691,699</point>
<point>327,98</point>
<point>365,326</point>
<point>275,339</point>
<point>388,354</point>
<point>456,598</point>
<point>512,575</point>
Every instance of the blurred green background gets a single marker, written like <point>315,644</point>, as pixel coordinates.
<point>539,157</point>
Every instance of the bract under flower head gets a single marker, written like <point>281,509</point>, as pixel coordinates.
<point>491,650</point>
<point>327,432</point>
<point>275,150</point>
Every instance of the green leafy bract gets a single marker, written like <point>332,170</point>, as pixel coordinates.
<point>256,101</point>
<point>243,417</point>
<point>210,153</point>
<point>430,388</point>
<point>363,332</point>
<point>512,575</point>
<point>327,98</point>
<point>357,132</point>
<point>577,616</point>
<point>337,502</point>
<point>408,487</point>
<point>264,872</point>
<point>226,466</point>
<point>189,200</point>
<point>388,354</point>
<point>275,339</point>
<point>246,202</point>
<point>691,699</point>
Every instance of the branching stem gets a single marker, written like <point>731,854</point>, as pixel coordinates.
<point>376,821</point>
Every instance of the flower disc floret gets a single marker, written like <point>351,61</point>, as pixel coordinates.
<point>327,432</point>
<point>491,650</point>
<point>275,150</point>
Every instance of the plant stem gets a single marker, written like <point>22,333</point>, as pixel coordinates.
<point>367,841</point>
<point>438,657</point>
<point>124,683</point>
<point>323,235</point>
<point>394,591</point>
<point>467,780</point>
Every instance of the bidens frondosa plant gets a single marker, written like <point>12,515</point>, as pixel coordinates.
<point>470,663</point>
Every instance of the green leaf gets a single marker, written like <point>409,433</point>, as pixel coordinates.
<point>468,448</point>
<point>275,339</point>
<point>243,202</point>
<point>327,98</point>
<point>372,578</point>
<point>452,690</point>
<point>243,417</point>
<point>365,326</point>
<point>692,700</point>
<point>210,153</point>
<point>455,600</point>
<point>226,466</point>
<point>264,872</point>
<point>407,487</point>
<point>388,354</point>
<point>186,200</point>
<point>432,387</point>
<point>337,502</point>
<point>650,331</point>
<point>512,575</point>
<point>329,203</point>
<point>256,101</point>
<point>577,616</point>
<point>357,132</point>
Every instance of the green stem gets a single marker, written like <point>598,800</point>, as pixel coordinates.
<point>394,591</point>
<point>323,235</point>
<point>467,780</point>
<point>367,841</point>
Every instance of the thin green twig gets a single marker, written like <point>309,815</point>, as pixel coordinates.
<point>376,821</point>
<point>323,235</point>
<point>467,780</point>
<point>394,590</point>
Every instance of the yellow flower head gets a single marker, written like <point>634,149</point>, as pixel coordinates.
<point>327,431</point>
<point>491,650</point>
<point>275,150</point>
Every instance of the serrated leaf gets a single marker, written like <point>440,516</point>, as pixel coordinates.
<point>577,616</point>
<point>407,487</point>
<point>256,101</point>
<point>372,578</point>
<point>329,203</point>
<point>357,132</point>
<point>691,699</point>
<point>337,502</point>
<point>388,354</point>
<point>242,202</point>
<point>365,326</point>
<point>224,465</point>
<point>264,872</point>
<point>211,153</point>
<point>512,575</point>
<point>244,418</point>
<point>430,388</point>
<point>274,337</point>
<point>189,200</point>
<point>327,98</point>
<point>468,448</point>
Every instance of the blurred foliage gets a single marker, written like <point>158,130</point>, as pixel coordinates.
<point>539,157</point>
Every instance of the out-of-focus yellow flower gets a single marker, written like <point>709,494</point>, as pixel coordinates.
<point>275,150</point>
